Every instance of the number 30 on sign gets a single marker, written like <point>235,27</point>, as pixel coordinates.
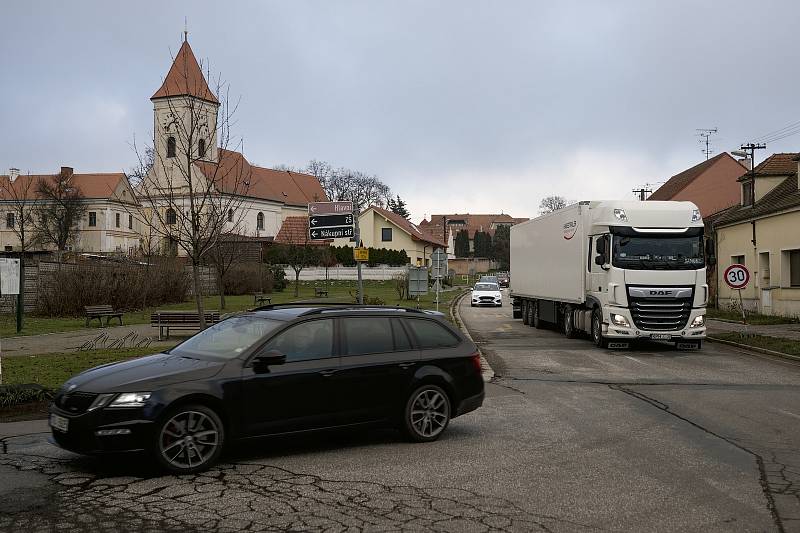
<point>737,276</point>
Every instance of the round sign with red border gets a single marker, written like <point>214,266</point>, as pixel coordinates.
<point>737,276</point>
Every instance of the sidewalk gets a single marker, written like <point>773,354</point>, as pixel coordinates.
<point>781,331</point>
<point>71,341</point>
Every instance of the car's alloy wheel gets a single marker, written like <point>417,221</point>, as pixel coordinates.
<point>427,413</point>
<point>190,439</point>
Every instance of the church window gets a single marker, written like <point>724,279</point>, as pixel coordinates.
<point>230,215</point>
<point>171,147</point>
<point>201,148</point>
<point>172,218</point>
<point>260,221</point>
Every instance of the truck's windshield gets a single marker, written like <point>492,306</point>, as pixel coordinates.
<point>658,252</point>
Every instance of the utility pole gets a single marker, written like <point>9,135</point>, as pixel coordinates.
<point>752,147</point>
<point>357,238</point>
<point>705,137</point>
<point>641,192</point>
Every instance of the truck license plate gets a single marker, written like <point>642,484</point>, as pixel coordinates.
<point>660,336</point>
<point>59,423</point>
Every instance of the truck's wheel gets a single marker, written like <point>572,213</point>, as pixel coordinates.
<point>597,329</point>
<point>535,321</point>
<point>516,312</point>
<point>569,322</point>
<point>526,318</point>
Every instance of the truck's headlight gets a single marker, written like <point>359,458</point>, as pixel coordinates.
<point>130,399</point>
<point>696,215</point>
<point>619,320</point>
<point>698,322</point>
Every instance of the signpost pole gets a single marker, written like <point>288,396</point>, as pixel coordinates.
<point>357,236</point>
<point>741,305</point>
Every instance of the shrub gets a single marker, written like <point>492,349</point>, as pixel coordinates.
<point>126,287</point>
<point>11,395</point>
<point>250,278</point>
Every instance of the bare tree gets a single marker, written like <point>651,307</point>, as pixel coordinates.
<point>229,251</point>
<point>552,203</point>
<point>344,184</point>
<point>59,212</point>
<point>195,188</point>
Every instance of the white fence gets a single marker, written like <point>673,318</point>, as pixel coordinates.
<point>377,273</point>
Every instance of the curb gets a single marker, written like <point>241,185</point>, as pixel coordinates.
<point>486,369</point>
<point>756,349</point>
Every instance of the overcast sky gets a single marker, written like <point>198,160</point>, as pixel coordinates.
<point>461,106</point>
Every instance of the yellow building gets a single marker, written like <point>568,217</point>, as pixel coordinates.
<point>381,228</point>
<point>763,233</point>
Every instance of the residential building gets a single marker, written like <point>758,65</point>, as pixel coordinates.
<point>445,227</point>
<point>381,228</point>
<point>763,233</point>
<point>109,224</point>
<point>711,185</point>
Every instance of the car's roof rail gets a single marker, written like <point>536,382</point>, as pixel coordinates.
<point>319,307</point>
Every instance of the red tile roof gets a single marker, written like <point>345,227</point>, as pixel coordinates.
<point>94,186</point>
<point>680,181</point>
<point>417,233</point>
<point>295,231</point>
<point>233,172</point>
<point>185,78</point>
<point>781,164</point>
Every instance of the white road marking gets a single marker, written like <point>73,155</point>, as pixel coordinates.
<point>634,359</point>
<point>789,413</point>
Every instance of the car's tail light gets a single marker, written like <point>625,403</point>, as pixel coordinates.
<point>476,362</point>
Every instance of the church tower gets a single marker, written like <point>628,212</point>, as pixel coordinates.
<point>185,113</point>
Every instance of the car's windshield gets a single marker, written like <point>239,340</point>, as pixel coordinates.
<point>228,339</point>
<point>486,287</point>
<point>658,252</point>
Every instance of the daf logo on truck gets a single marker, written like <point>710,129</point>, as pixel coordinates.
<point>660,293</point>
<point>569,229</point>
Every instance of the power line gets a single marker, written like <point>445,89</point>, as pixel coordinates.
<point>781,133</point>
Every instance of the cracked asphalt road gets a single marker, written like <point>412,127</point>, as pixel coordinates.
<point>570,438</point>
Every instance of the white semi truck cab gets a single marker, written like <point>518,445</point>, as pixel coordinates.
<point>619,271</point>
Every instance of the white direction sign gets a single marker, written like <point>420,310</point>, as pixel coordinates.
<point>9,276</point>
<point>737,276</point>
<point>330,208</point>
<point>330,220</point>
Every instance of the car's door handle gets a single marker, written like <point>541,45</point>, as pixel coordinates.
<point>406,365</point>
<point>328,373</point>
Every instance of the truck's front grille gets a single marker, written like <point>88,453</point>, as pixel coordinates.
<point>75,402</point>
<point>660,313</point>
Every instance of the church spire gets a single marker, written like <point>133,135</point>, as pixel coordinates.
<point>185,78</point>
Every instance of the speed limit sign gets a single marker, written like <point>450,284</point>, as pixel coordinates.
<point>737,276</point>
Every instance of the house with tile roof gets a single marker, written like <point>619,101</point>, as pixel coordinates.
<point>381,228</point>
<point>762,232</point>
<point>107,226</point>
<point>191,153</point>
<point>712,185</point>
<point>444,227</point>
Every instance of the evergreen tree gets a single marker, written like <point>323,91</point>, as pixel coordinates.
<point>482,244</point>
<point>398,206</point>
<point>501,249</point>
<point>462,244</point>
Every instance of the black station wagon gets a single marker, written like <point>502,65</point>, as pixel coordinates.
<point>277,369</point>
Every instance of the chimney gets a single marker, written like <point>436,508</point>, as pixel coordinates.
<point>13,173</point>
<point>747,162</point>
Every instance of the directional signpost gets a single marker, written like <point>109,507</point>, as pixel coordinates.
<point>335,220</point>
<point>439,260</point>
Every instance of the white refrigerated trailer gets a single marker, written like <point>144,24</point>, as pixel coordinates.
<point>619,271</point>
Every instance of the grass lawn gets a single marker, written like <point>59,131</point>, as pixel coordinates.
<point>51,370</point>
<point>775,344</point>
<point>752,318</point>
<point>339,291</point>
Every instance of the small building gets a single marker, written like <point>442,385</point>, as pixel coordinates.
<point>381,228</point>
<point>763,233</point>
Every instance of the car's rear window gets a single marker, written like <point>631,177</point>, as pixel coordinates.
<point>431,334</point>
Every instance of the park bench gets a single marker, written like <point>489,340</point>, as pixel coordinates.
<point>100,312</point>
<point>261,299</point>
<point>166,320</point>
<point>320,292</point>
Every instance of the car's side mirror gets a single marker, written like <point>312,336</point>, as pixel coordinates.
<point>263,361</point>
<point>600,247</point>
<point>600,260</point>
